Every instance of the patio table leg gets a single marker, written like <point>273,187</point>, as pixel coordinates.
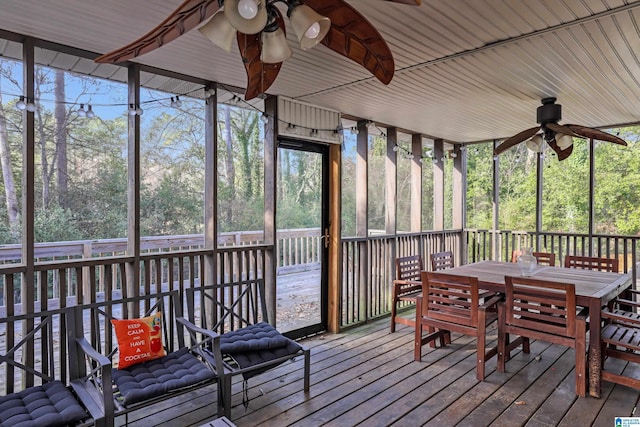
<point>595,357</point>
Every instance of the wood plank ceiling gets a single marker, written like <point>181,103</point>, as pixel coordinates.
<point>466,70</point>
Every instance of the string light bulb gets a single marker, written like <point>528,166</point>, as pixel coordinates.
<point>264,118</point>
<point>132,110</point>
<point>81,112</point>
<point>90,113</point>
<point>31,107</point>
<point>21,105</point>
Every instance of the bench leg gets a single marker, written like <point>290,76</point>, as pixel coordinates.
<point>307,369</point>
<point>224,396</point>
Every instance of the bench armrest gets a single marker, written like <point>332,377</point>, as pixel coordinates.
<point>90,352</point>
<point>201,346</point>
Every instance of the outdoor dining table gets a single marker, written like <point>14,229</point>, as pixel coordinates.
<point>594,289</point>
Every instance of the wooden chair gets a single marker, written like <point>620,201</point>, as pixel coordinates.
<point>591,263</point>
<point>441,261</point>
<point>543,258</point>
<point>405,287</point>
<point>451,303</point>
<point>544,310</point>
<point>619,339</point>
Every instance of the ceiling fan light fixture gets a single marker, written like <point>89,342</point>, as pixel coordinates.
<point>563,141</point>
<point>309,26</point>
<point>219,30</point>
<point>275,48</point>
<point>535,143</point>
<point>246,16</point>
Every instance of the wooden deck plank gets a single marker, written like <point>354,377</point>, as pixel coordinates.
<point>585,411</point>
<point>352,357</point>
<point>510,392</point>
<point>619,403</point>
<point>457,409</point>
<point>534,397</point>
<point>366,376</point>
<point>403,377</point>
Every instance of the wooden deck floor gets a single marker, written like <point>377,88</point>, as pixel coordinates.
<point>366,376</point>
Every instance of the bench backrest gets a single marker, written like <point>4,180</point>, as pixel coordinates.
<point>33,349</point>
<point>94,322</point>
<point>227,307</point>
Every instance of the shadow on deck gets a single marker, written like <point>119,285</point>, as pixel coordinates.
<point>367,376</point>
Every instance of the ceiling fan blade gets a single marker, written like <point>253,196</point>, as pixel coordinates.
<point>411,2</point>
<point>186,17</point>
<point>516,139</point>
<point>592,133</point>
<point>561,129</point>
<point>352,35</point>
<point>563,154</point>
<point>260,75</point>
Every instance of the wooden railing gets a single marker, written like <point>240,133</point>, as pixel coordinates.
<point>499,244</point>
<point>368,269</point>
<point>296,248</point>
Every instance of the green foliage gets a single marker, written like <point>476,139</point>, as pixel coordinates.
<point>565,193</point>
<point>56,224</point>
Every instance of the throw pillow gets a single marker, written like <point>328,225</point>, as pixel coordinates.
<point>139,340</point>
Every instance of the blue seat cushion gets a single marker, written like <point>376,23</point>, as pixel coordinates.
<point>154,378</point>
<point>256,344</point>
<point>48,405</point>
<point>261,336</point>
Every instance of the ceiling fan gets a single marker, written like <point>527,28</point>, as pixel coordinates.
<point>559,137</point>
<point>259,28</point>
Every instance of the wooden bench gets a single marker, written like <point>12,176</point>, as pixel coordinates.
<point>114,392</point>
<point>249,345</point>
<point>34,373</point>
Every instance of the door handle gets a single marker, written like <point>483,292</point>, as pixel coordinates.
<point>326,237</point>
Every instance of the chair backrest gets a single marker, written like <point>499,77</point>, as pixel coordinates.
<point>545,258</point>
<point>450,298</point>
<point>549,308</point>
<point>441,261</point>
<point>409,268</point>
<point>591,263</point>
<point>542,258</point>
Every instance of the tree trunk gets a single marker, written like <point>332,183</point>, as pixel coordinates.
<point>7,176</point>
<point>231,173</point>
<point>60,140</point>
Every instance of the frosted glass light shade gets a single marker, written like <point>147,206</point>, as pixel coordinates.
<point>309,26</point>
<point>275,48</point>
<point>563,141</point>
<point>535,143</point>
<point>235,9</point>
<point>219,30</point>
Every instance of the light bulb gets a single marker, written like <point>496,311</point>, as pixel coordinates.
<point>173,103</point>
<point>139,111</point>
<point>313,31</point>
<point>21,105</point>
<point>90,113</point>
<point>248,9</point>
<point>132,110</point>
<point>264,118</point>
<point>81,112</point>
<point>395,148</point>
<point>178,102</point>
<point>31,107</point>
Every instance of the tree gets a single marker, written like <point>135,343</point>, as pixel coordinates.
<point>11,198</point>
